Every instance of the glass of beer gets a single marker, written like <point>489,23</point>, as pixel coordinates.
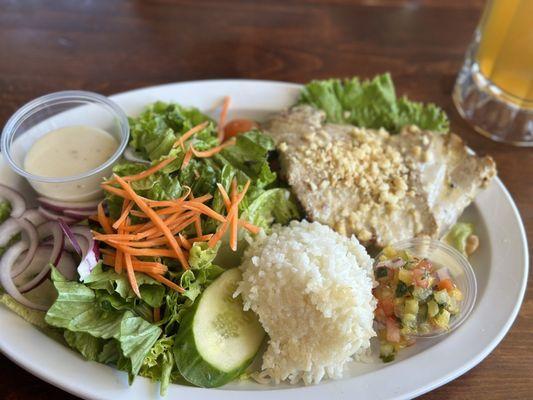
<point>494,90</point>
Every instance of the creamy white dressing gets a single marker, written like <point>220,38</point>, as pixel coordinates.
<point>69,151</point>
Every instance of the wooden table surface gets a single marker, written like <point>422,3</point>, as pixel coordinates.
<point>110,46</point>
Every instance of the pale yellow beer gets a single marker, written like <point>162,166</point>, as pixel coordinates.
<point>505,53</point>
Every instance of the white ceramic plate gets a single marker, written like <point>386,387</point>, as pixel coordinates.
<point>500,264</point>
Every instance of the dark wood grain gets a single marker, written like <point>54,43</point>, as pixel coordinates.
<point>110,46</point>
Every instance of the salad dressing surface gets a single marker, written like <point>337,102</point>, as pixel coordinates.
<point>69,151</point>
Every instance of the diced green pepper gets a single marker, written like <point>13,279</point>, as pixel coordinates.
<point>421,293</point>
<point>441,297</point>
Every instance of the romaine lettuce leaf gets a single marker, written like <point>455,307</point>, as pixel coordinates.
<point>157,128</point>
<point>250,155</point>
<point>371,104</point>
<point>152,292</point>
<point>77,310</point>
<point>272,206</point>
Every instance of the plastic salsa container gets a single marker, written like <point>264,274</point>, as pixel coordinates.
<point>425,288</point>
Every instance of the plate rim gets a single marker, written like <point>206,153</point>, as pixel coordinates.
<point>44,374</point>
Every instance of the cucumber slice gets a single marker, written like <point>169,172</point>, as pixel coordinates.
<point>217,340</point>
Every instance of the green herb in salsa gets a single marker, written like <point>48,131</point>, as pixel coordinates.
<point>414,298</point>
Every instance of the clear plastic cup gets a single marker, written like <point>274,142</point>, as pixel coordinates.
<point>58,110</point>
<point>443,255</point>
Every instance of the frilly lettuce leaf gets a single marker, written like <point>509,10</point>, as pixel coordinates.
<point>371,104</point>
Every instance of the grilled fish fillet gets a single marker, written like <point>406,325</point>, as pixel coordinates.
<point>380,187</point>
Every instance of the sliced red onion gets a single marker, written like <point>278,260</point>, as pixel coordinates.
<point>6,264</point>
<point>90,256</point>
<point>60,206</point>
<point>32,240</point>
<point>394,263</point>
<point>34,216</point>
<point>52,228</point>
<point>53,216</point>
<point>443,273</point>
<point>70,236</point>
<point>79,215</point>
<point>18,204</point>
<point>131,155</point>
<point>82,242</point>
<point>40,269</point>
<point>88,251</point>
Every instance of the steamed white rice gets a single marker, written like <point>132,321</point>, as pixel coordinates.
<point>312,291</point>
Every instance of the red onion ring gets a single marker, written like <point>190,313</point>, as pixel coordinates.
<point>6,263</point>
<point>67,267</point>
<point>61,206</point>
<point>70,236</point>
<point>34,216</point>
<point>18,204</point>
<point>52,228</point>
<point>80,215</point>
<point>53,216</point>
<point>32,241</point>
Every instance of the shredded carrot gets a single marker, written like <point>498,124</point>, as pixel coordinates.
<point>187,135</point>
<point>125,212</point>
<point>225,196</point>
<point>211,152</point>
<point>171,223</point>
<point>184,242</point>
<point>222,120</point>
<point>155,219</point>
<point>148,268</point>
<point>109,252</point>
<point>131,275</point>
<point>115,191</point>
<point>249,227</point>
<point>116,236</point>
<point>221,230</point>
<point>203,238</point>
<point>205,210</point>
<point>187,158</point>
<point>102,219</point>
<point>150,264</point>
<point>167,282</point>
<point>202,199</point>
<point>109,260</point>
<point>153,252</point>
